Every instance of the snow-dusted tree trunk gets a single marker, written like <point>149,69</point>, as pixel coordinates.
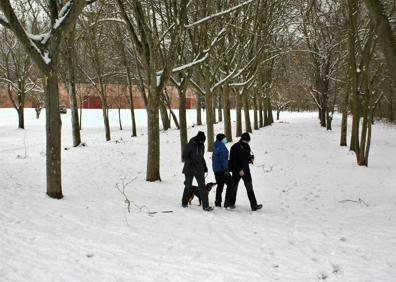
<point>238,99</point>
<point>45,55</point>
<point>146,39</point>
<point>352,16</point>
<point>246,109</point>
<point>386,38</point>
<point>198,108</point>
<point>255,108</point>
<point>71,87</point>
<point>227,112</point>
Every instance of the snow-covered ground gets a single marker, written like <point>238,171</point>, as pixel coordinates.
<point>307,230</point>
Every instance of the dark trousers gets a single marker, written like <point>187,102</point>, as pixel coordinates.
<point>221,179</point>
<point>247,180</point>
<point>200,177</point>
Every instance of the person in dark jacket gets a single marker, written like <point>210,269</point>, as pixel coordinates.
<point>195,166</point>
<point>221,171</point>
<point>240,158</point>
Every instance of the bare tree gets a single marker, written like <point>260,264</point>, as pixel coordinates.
<point>44,50</point>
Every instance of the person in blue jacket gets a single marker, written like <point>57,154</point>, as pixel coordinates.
<point>220,169</point>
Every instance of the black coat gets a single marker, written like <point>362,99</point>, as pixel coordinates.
<point>193,157</point>
<point>240,157</point>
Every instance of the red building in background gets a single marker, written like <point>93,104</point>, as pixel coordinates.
<point>116,97</point>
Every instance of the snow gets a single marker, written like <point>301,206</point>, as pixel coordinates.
<point>305,232</point>
<point>208,18</point>
<point>191,64</point>
<point>42,38</point>
<point>3,18</point>
<point>46,57</point>
<point>62,14</point>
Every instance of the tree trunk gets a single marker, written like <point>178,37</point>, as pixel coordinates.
<point>119,117</point>
<point>174,117</point>
<point>362,148</point>
<point>266,117</point>
<point>71,89</point>
<point>130,96</point>
<point>198,108</point>
<point>352,14</point>
<point>344,119</point>
<point>105,111</point>
<point>261,118</point>
<point>81,109</point>
<point>248,126</point>
<point>386,37</point>
<point>227,113</point>
<point>277,114</point>
<point>368,138</point>
<point>53,130</point>
<point>255,116</point>
<point>164,117</point>
<point>219,109</point>
<point>209,120</point>
<point>38,111</point>
<point>322,113</point>
<point>21,117</point>
<point>214,108</point>
<point>182,118</point>
<point>238,99</point>
<point>329,119</point>
<point>270,115</point>
<point>153,152</point>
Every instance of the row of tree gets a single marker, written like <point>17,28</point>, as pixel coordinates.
<point>259,55</point>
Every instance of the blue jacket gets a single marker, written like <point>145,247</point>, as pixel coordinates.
<point>220,157</point>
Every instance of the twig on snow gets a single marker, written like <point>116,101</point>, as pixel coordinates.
<point>359,201</point>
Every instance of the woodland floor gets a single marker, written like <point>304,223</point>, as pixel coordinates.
<point>312,226</point>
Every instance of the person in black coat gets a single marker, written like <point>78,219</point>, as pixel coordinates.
<point>195,166</point>
<point>240,158</point>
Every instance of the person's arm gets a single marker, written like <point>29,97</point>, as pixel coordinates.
<point>235,158</point>
<point>224,159</point>
<point>204,162</point>
<point>186,155</point>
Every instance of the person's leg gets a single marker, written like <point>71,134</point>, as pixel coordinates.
<point>235,179</point>
<point>247,180</point>
<point>230,189</point>
<point>187,188</point>
<point>200,177</point>
<point>219,189</point>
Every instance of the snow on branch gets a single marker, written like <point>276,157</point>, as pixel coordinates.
<point>3,20</point>
<point>211,17</point>
<point>311,91</point>
<point>242,83</point>
<point>220,82</point>
<point>196,86</point>
<point>117,20</point>
<point>62,14</point>
<point>200,58</point>
<point>193,63</point>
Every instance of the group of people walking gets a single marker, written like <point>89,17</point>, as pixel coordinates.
<point>228,168</point>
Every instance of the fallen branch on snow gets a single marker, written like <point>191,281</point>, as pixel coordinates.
<point>359,201</point>
<point>122,189</point>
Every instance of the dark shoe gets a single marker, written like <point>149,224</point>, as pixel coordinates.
<point>184,206</point>
<point>230,207</point>
<point>208,209</point>
<point>257,207</point>
<point>218,205</point>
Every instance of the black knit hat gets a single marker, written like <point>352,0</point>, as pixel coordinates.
<point>220,137</point>
<point>200,136</point>
<point>245,136</point>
